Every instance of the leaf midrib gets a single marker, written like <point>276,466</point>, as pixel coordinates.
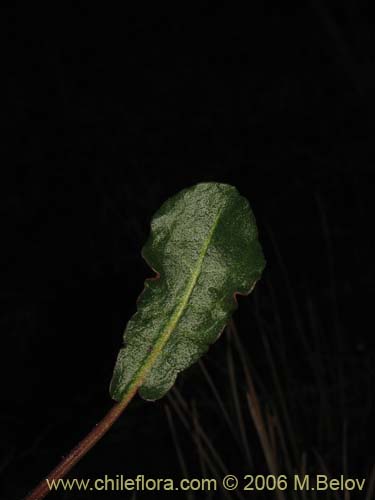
<point>151,358</point>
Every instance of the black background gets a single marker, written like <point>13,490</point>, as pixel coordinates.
<point>107,113</point>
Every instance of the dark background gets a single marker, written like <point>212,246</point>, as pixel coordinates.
<point>106,114</point>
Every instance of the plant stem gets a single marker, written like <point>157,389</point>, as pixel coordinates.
<point>80,450</point>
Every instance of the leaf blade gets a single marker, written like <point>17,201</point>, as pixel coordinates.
<point>204,247</point>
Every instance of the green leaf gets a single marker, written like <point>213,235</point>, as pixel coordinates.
<point>204,248</point>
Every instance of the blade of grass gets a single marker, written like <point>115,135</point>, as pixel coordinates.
<point>302,336</point>
<point>282,401</point>
<point>246,362</point>
<point>270,430</point>
<point>237,405</point>
<point>189,494</point>
<point>284,448</point>
<point>175,402</point>
<point>199,445</point>
<point>279,331</point>
<point>324,469</point>
<point>220,402</point>
<point>200,432</point>
<point>276,380</point>
<point>332,283</point>
<point>324,423</point>
<point>260,427</point>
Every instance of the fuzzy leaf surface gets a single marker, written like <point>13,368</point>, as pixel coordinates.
<point>204,248</point>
